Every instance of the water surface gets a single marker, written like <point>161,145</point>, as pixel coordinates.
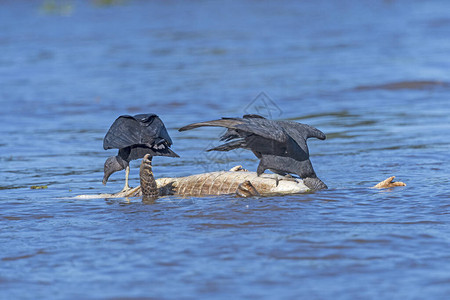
<point>373,76</point>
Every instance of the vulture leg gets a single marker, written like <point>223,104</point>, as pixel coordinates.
<point>127,173</point>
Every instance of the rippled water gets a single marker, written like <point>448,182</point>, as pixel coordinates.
<point>374,76</point>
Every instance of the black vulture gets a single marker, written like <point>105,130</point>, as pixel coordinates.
<point>280,145</point>
<point>135,136</point>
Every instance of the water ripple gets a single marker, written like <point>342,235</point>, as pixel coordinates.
<point>374,80</point>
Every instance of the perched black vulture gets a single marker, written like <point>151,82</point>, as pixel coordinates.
<point>280,145</point>
<point>135,136</point>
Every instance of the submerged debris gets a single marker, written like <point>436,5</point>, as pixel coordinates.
<point>38,187</point>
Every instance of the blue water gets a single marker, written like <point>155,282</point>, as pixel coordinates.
<point>373,75</point>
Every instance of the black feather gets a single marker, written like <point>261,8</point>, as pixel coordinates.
<point>138,135</point>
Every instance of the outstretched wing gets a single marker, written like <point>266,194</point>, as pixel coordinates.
<point>231,134</point>
<point>236,144</point>
<point>264,128</point>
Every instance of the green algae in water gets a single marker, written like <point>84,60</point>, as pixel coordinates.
<point>38,187</point>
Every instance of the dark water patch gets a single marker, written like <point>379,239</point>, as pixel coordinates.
<point>405,85</point>
<point>329,257</point>
<point>392,222</point>
<point>27,217</point>
<point>406,237</point>
<point>12,218</point>
<point>369,241</point>
<point>11,187</point>
<point>64,85</point>
<point>12,158</point>
<point>203,226</point>
<point>440,23</point>
<point>338,114</point>
<point>43,55</point>
<point>25,256</point>
<point>423,146</point>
